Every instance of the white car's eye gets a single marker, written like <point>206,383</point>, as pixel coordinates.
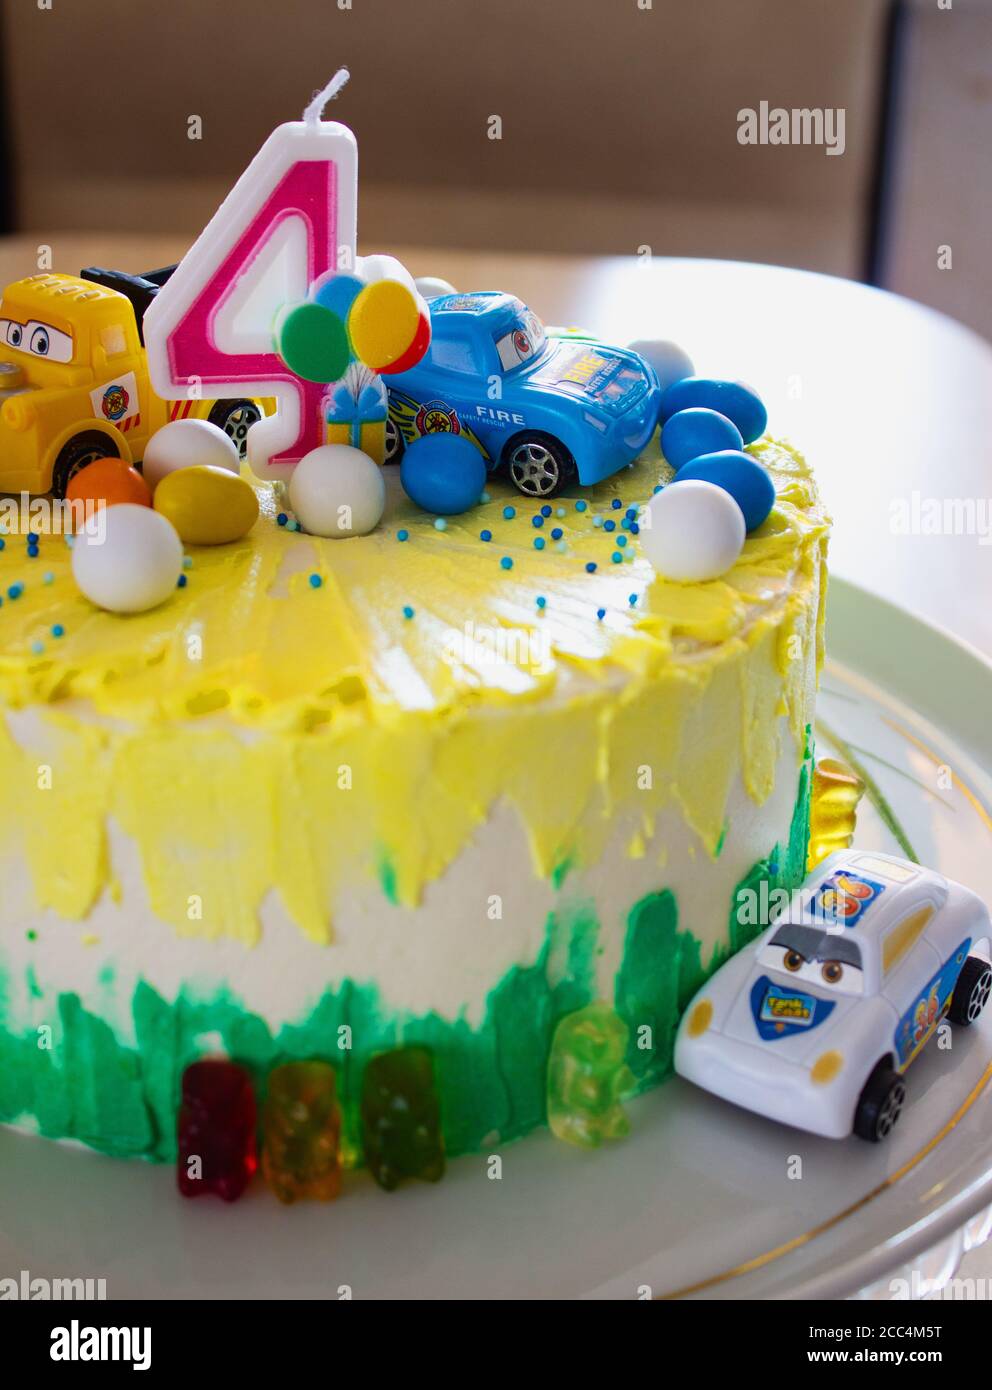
<point>782,958</point>
<point>45,341</point>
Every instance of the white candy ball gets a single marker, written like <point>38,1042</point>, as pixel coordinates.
<point>337,491</point>
<point>668,359</point>
<point>185,443</point>
<point>692,531</point>
<point>127,558</point>
<point>430,287</point>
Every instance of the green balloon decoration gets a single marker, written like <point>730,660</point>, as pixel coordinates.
<point>313,342</point>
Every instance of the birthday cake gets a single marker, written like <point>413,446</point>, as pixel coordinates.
<point>411,802</point>
<point>431,799</point>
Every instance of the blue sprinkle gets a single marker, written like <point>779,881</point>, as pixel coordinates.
<point>440,524</point>
<point>48,577</point>
<point>625,524</point>
<point>591,567</point>
<point>621,540</point>
<point>315,581</point>
<point>633,600</point>
<point>541,601</point>
<point>616,504</point>
<point>37,648</point>
<point>538,542</point>
<point>597,521</point>
<point>657,487</point>
<point>600,613</point>
<point>560,511</point>
<point>403,535</point>
<point>635,529</point>
<point>545,510</point>
<point>281,519</point>
<point>486,497</point>
<point>293,525</point>
<point>181,582</point>
<point>537,521</point>
<point>33,537</point>
<point>32,552</point>
<point>609,526</point>
<point>70,541</point>
<point>187,562</point>
<point>506,562</point>
<point>486,535</point>
<point>632,513</point>
<point>3,543</point>
<point>509,513</point>
<point>557,533</point>
<point>617,557</point>
<point>58,630</point>
<point>581,505</point>
<point>15,590</point>
<point>407,612</point>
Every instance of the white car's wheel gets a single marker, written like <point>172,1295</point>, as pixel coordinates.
<point>971,993</point>
<point>880,1103</point>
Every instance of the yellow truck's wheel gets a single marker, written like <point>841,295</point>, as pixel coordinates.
<point>81,450</point>
<point>236,418</point>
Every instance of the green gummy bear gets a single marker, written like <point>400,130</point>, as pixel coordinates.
<point>401,1117</point>
<point>588,1077</point>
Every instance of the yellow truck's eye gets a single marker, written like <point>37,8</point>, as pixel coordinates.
<point>45,341</point>
<point>13,333</point>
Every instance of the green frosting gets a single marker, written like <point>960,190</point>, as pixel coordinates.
<point>492,1078</point>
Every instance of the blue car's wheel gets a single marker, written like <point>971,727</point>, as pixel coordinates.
<point>395,443</point>
<point>539,464</point>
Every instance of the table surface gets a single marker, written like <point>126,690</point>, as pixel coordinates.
<point>889,400</point>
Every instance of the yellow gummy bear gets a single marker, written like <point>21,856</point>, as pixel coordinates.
<point>833,811</point>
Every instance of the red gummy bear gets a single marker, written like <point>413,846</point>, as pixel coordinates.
<point>216,1130</point>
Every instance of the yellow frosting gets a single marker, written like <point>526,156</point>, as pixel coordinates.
<point>258,733</point>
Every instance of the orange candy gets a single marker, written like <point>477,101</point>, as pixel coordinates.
<point>106,482</point>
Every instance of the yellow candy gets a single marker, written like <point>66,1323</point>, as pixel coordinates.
<point>382,322</point>
<point>837,789</point>
<point>207,505</point>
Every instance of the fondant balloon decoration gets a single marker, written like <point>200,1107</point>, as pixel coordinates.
<point>373,319</point>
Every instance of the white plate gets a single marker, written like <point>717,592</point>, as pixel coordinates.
<point>702,1200</point>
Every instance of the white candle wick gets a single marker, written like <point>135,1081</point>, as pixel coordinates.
<point>315,110</point>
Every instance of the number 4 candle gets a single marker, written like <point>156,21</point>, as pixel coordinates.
<point>288,221</point>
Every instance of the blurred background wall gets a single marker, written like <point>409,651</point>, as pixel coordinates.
<point>619,123</point>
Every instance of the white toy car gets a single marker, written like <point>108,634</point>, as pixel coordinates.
<point>815,1022</point>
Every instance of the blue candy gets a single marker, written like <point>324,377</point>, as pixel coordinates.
<point>740,475</point>
<point>443,473</point>
<point>731,398</point>
<point>689,433</point>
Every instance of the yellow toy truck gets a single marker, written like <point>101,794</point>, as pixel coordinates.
<point>74,383</point>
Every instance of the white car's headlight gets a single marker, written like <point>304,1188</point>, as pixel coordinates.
<point>826,1068</point>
